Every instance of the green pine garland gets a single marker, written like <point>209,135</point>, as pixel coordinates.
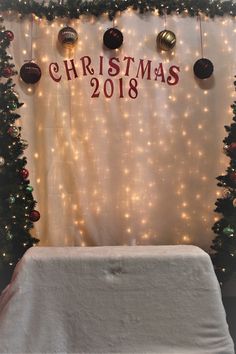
<point>76,8</point>
<point>16,200</point>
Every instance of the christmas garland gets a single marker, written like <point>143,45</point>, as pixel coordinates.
<point>76,8</point>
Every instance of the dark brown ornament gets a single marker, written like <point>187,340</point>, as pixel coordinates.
<point>113,38</point>
<point>203,68</point>
<point>68,37</point>
<point>30,73</point>
<point>34,215</point>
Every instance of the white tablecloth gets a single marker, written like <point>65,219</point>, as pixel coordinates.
<point>141,299</point>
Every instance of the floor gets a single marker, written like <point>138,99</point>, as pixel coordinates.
<point>230,308</point>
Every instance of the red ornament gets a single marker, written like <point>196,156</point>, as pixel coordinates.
<point>14,131</point>
<point>34,215</point>
<point>232,148</point>
<point>7,72</point>
<point>9,35</point>
<point>232,176</point>
<point>24,173</point>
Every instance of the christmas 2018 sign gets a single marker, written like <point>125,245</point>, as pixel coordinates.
<point>123,74</point>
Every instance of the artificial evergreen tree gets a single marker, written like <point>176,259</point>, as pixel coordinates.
<point>17,205</point>
<point>224,244</point>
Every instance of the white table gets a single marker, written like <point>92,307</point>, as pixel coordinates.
<point>136,299</point>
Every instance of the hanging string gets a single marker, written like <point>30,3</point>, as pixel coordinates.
<point>200,28</point>
<point>31,40</point>
<point>164,19</point>
<point>31,37</point>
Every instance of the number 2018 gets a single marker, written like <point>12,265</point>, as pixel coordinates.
<point>108,88</point>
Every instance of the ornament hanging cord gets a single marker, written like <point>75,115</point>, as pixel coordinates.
<point>31,36</point>
<point>31,39</point>
<point>200,29</point>
<point>164,19</point>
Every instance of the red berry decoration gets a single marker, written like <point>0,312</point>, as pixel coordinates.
<point>14,131</point>
<point>34,215</point>
<point>113,38</point>
<point>30,73</point>
<point>232,176</point>
<point>7,72</point>
<point>24,173</point>
<point>9,35</point>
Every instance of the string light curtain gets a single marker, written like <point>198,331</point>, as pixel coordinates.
<point>136,163</point>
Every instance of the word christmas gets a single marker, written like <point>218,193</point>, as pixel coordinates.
<point>122,74</point>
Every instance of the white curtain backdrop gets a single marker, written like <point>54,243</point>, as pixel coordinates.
<point>115,171</point>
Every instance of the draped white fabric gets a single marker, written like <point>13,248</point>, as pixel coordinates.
<point>125,170</point>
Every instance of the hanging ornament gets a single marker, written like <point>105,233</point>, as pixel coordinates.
<point>34,215</point>
<point>228,231</point>
<point>14,131</point>
<point>11,199</point>
<point>68,37</point>
<point>113,38</point>
<point>9,35</point>
<point>232,176</point>
<point>203,68</point>
<point>2,161</point>
<point>24,173</point>
<point>234,202</point>
<point>166,40</point>
<point>30,73</point>
<point>7,72</point>
<point>232,148</point>
<point>29,189</point>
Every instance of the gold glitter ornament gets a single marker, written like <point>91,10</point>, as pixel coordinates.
<point>166,40</point>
